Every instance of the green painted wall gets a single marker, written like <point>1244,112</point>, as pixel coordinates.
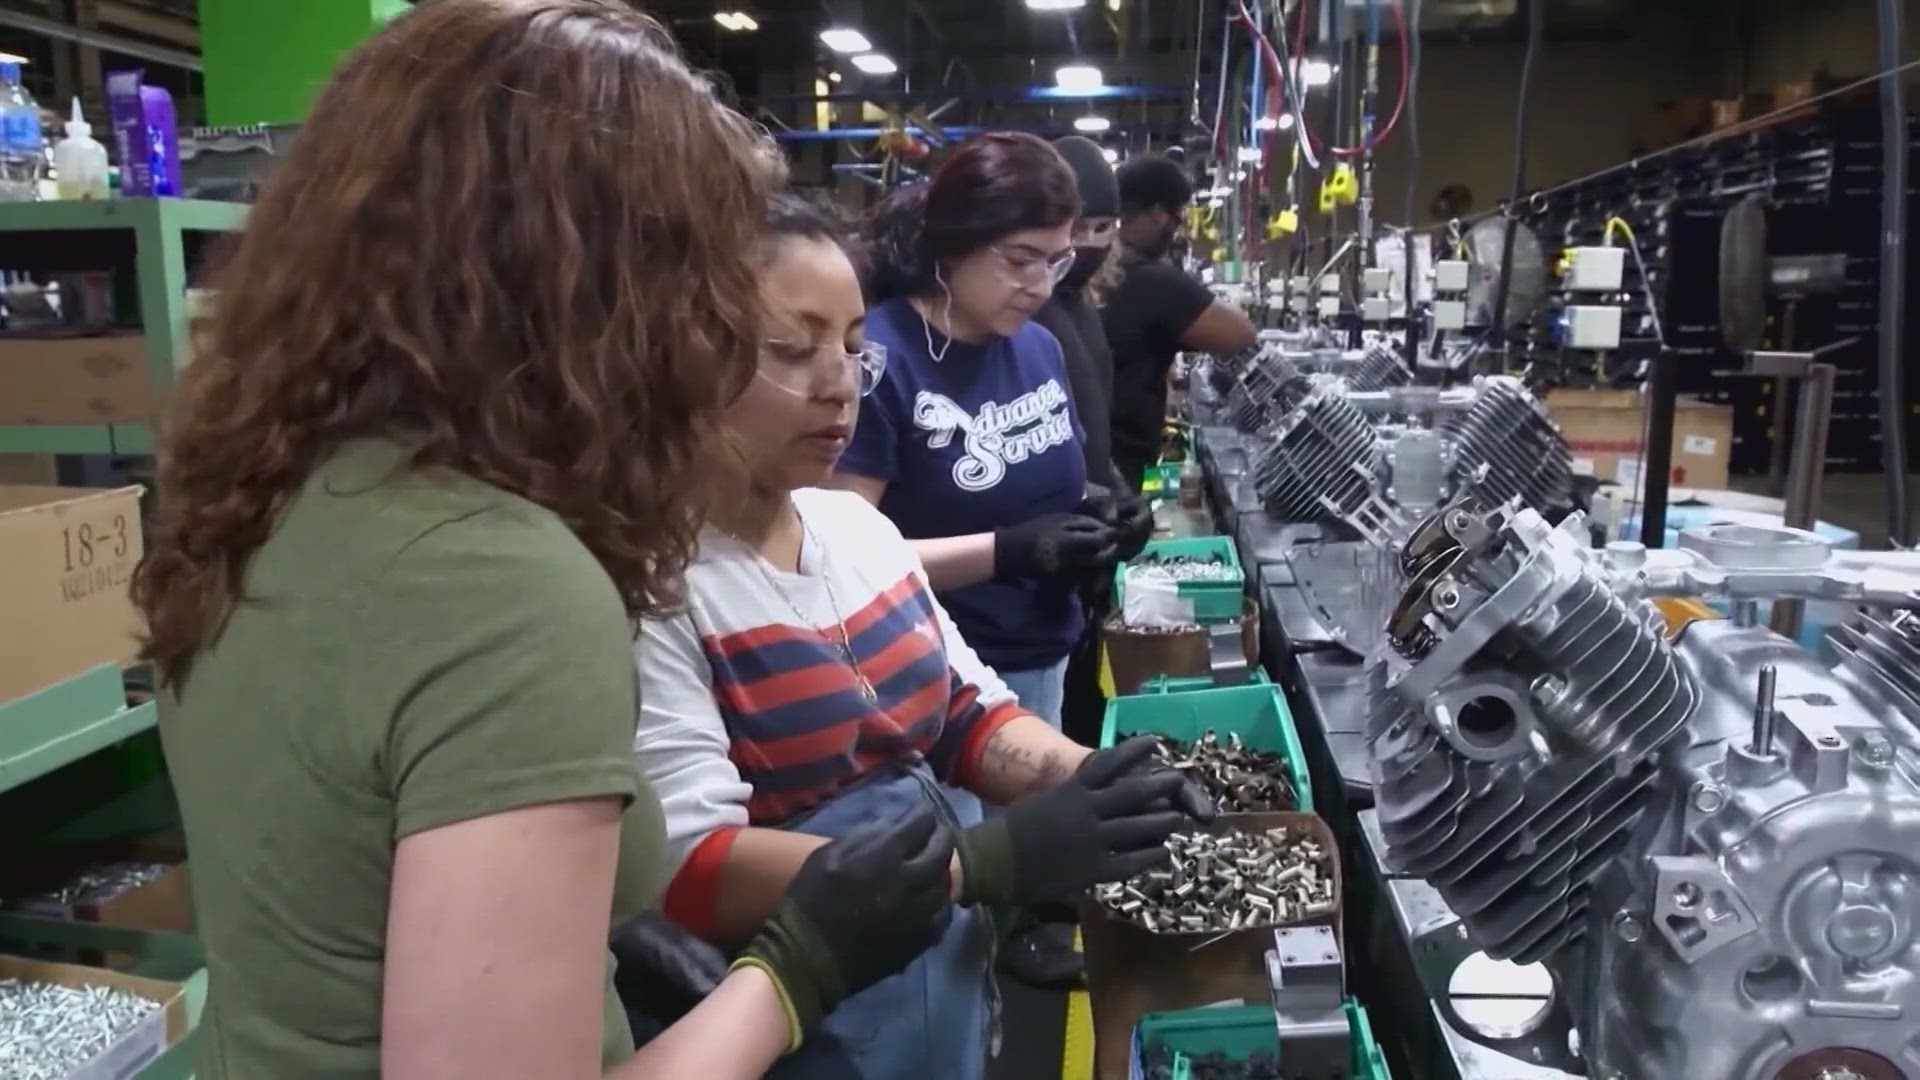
<point>265,62</point>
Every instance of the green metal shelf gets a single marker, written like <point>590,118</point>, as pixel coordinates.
<point>66,722</point>
<point>155,236</point>
<point>177,215</point>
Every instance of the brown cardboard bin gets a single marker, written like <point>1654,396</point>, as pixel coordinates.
<point>1132,971</point>
<point>1135,657</point>
<point>66,556</point>
<point>137,1048</point>
<point>1604,431</point>
<point>77,380</point>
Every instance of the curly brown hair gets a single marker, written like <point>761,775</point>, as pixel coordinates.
<point>519,234</point>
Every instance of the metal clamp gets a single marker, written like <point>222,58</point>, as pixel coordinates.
<point>1308,982</point>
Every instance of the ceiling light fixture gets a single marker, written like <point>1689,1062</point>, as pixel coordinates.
<point>1091,125</point>
<point>1112,155</point>
<point>1250,154</point>
<point>1316,72</point>
<point>833,76</point>
<point>1274,123</point>
<point>1078,77</point>
<point>1055,5</point>
<point>737,21</point>
<point>842,39</point>
<point>10,58</point>
<point>875,64</point>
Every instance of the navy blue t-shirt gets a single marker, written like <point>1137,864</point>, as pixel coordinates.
<point>984,438</point>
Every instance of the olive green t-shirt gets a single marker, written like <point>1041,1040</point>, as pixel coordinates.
<point>415,649</point>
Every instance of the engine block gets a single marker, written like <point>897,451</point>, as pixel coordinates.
<point>1710,839</point>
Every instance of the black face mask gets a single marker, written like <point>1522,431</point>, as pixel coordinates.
<point>1087,262</point>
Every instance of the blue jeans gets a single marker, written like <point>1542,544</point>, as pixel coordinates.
<point>1042,691</point>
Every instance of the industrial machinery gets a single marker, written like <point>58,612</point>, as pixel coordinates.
<point>1710,840</point>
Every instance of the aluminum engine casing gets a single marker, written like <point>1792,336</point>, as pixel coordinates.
<point>1705,911</point>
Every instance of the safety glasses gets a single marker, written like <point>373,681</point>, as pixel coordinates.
<point>1031,268</point>
<point>794,366</point>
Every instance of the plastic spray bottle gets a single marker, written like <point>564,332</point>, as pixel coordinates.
<point>80,162</point>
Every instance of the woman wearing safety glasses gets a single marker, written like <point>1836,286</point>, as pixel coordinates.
<point>813,685</point>
<point>971,444</point>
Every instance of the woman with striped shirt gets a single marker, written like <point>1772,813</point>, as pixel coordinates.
<point>814,684</point>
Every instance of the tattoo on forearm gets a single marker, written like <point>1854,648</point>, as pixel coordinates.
<point>1018,767</point>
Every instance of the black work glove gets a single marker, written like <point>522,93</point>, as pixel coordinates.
<point>1108,822</point>
<point>1052,544</point>
<point>1121,509</point>
<point>860,909</point>
<point>662,970</point>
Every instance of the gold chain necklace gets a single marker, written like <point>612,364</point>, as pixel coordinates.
<point>845,644</point>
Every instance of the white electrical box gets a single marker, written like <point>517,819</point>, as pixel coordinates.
<point>1330,285</point>
<point>1301,304</point>
<point>1374,309</point>
<point>1449,314</point>
<point>1593,327</point>
<point>1329,307</point>
<point>1450,275</point>
<point>1597,269</point>
<point>1302,285</point>
<point>1376,279</point>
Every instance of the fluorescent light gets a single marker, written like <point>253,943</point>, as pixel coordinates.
<point>1316,72</point>
<point>735,20</point>
<point>833,76</point>
<point>1078,77</point>
<point>9,58</point>
<point>1112,155</point>
<point>745,21</point>
<point>1250,154</point>
<point>874,63</point>
<point>843,39</point>
<point>1274,123</point>
<point>1091,125</point>
<point>1055,5</point>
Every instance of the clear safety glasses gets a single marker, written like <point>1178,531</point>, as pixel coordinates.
<point>794,366</point>
<point>1034,269</point>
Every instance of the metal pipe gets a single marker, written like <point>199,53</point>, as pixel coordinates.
<point>1656,479</point>
<point>1893,273</point>
<point>1804,475</point>
<point>139,50</point>
<point>1764,718</point>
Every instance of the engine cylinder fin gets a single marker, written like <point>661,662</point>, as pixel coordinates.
<point>1883,653</point>
<point>1507,432</point>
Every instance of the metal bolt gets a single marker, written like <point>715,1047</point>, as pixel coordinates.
<point>1547,689</point>
<point>104,882</point>
<point>47,1032</point>
<point>1217,883</point>
<point>1875,751</point>
<point>1446,597</point>
<point>1628,927</point>
<point>1241,781</point>
<point>1708,797</point>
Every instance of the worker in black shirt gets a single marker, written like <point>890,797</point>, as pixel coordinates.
<point>1157,311</point>
<point>1040,951</point>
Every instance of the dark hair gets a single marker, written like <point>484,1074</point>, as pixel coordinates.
<point>1153,182</point>
<point>503,187</point>
<point>992,186</point>
<point>791,215</point>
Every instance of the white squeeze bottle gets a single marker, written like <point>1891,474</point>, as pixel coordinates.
<point>80,162</point>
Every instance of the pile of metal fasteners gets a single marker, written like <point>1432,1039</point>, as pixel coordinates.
<point>1241,781</point>
<point>1180,568</point>
<point>104,883</point>
<point>1226,881</point>
<point>48,1031</point>
<point>1160,1063</point>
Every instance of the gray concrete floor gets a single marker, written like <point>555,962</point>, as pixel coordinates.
<point>1856,501</point>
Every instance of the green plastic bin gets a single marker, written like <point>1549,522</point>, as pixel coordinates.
<point>1161,481</point>
<point>1213,601</point>
<point>1180,684</point>
<point>1241,1032</point>
<point>1256,712</point>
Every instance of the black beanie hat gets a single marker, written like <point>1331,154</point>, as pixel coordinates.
<point>1099,192</point>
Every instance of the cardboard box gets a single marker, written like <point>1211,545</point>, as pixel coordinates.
<point>76,380</point>
<point>137,1048</point>
<point>1604,429</point>
<point>66,557</point>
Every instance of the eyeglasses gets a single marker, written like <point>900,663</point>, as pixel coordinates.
<point>790,365</point>
<point>1052,268</point>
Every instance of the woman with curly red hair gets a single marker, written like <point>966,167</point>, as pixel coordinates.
<point>450,430</point>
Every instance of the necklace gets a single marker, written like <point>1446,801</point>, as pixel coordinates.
<point>845,644</point>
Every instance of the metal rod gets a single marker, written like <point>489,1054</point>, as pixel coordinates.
<point>1782,407</point>
<point>1893,275</point>
<point>110,42</point>
<point>1763,715</point>
<point>1802,510</point>
<point>1657,478</point>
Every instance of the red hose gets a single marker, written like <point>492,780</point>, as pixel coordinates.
<point>1277,70</point>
